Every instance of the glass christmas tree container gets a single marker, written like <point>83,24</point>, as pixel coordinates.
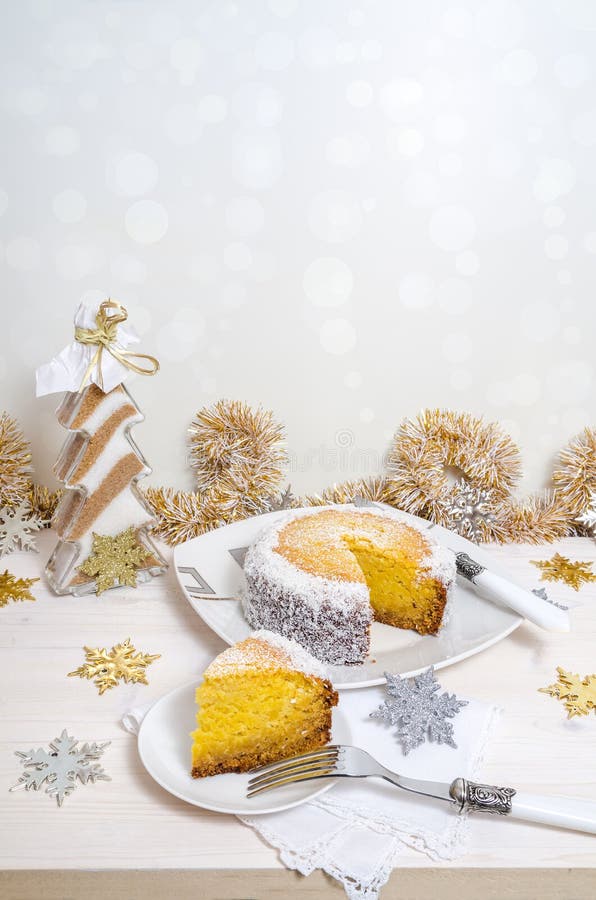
<point>103,522</point>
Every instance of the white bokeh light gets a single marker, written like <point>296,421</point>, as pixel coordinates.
<point>555,178</point>
<point>455,296</point>
<point>407,142</point>
<point>584,129</point>
<point>212,109</point>
<point>519,67</point>
<point>457,347</point>
<point>353,380</point>
<point>76,261</point>
<point>237,257</point>
<point>62,140</point>
<point>146,221</point>
<point>129,269</point>
<point>337,336</point>
<point>69,206</point>
<point>274,51</point>
<point>245,216</point>
<point>335,216</point>
<point>328,282</point>
<point>572,70</point>
<point>182,125</point>
<point>257,161</point>
<point>178,338</point>
<point>259,104</point>
<point>23,253</point>
<point>359,93</point>
<point>349,150</point>
<point>556,246</point>
<point>452,227</point>
<point>416,290</point>
<point>397,97</point>
<point>467,263</point>
<point>539,321</point>
<point>134,174</point>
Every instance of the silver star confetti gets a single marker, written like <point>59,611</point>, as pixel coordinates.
<point>59,767</point>
<point>17,528</point>
<point>417,710</point>
<point>541,592</point>
<point>469,509</point>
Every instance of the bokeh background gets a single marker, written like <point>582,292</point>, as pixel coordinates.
<point>345,211</point>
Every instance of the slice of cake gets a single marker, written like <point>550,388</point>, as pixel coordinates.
<point>321,576</point>
<point>261,700</point>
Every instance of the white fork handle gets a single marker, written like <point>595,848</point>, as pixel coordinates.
<point>565,812</point>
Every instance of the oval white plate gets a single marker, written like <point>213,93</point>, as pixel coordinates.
<point>164,747</point>
<point>212,563</point>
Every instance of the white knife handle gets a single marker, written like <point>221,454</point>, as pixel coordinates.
<point>524,602</point>
<point>505,593</point>
<point>565,812</point>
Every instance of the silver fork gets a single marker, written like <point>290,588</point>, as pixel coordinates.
<point>341,761</point>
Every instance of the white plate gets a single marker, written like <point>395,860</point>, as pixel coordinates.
<point>164,747</point>
<point>208,564</point>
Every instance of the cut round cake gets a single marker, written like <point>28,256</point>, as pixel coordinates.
<point>263,699</point>
<point>320,576</point>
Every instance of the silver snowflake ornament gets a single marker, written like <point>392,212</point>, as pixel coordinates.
<point>17,528</point>
<point>60,767</point>
<point>418,711</point>
<point>283,500</point>
<point>588,517</point>
<point>541,592</point>
<point>468,509</point>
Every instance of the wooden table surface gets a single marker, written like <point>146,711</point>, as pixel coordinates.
<point>130,823</point>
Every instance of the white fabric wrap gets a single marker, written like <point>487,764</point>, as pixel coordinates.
<point>66,371</point>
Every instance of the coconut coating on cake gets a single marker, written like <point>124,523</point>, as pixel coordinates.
<point>304,581</point>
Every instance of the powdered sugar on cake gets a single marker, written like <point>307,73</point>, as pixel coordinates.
<point>262,649</point>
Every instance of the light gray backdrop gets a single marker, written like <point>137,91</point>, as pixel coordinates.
<point>345,211</point>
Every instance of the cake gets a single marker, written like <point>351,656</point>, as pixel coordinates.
<point>261,700</point>
<point>321,576</point>
<point>100,465</point>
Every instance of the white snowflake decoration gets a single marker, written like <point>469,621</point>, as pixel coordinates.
<point>60,767</point>
<point>588,518</point>
<point>17,528</point>
<point>468,509</point>
<point>416,709</point>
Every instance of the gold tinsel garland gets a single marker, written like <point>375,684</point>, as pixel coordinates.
<point>239,450</point>
<point>375,488</point>
<point>43,501</point>
<point>575,478</point>
<point>426,452</point>
<point>15,462</point>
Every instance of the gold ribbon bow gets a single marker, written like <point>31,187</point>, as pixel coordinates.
<point>105,335</point>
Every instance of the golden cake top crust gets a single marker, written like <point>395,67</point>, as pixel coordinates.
<point>317,543</point>
<point>265,650</point>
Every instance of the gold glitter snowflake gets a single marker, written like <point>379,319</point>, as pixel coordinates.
<point>578,693</point>
<point>13,588</point>
<point>114,560</point>
<point>108,667</point>
<point>560,568</point>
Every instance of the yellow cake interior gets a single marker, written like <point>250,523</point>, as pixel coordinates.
<point>391,557</point>
<point>256,713</point>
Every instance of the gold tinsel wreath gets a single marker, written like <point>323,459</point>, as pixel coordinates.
<point>15,462</point>
<point>239,451</point>
<point>575,478</point>
<point>438,441</point>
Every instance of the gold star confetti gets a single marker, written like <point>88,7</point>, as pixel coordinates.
<point>113,560</point>
<point>578,693</point>
<point>123,661</point>
<point>13,588</point>
<point>560,568</point>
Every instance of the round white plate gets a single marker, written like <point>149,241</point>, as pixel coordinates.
<point>212,563</point>
<point>164,747</point>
